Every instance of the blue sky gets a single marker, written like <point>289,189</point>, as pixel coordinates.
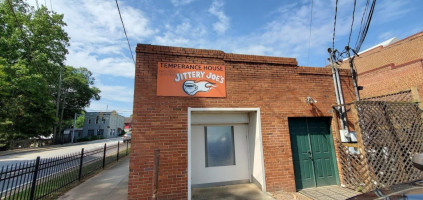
<point>268,27</point>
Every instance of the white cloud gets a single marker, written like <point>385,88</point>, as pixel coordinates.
<point>184,34</point>
<point>181,2</point>
<point>116,93</point>
<point>216,9</point>
<point>97,38</point>
<point>287,35</point>
<point>119,66</point>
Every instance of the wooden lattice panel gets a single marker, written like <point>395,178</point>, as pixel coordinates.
<point>391,133</point>
<point>403,96</point>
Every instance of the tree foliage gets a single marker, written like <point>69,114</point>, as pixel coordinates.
<point>80,121</point>
<point>33,48</point>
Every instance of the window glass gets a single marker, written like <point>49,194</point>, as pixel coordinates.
<point>220,150</point>
<point>100,131</point>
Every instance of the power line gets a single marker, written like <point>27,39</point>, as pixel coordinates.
<point>352,23</point>
<point>362,19</point>
<point>126,35</point>
<point>366,26</point>
<point>309,37</point>
<point>334,25</point>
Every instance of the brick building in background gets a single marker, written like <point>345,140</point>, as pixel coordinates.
<point>391,67</point>
<point>220,118</point>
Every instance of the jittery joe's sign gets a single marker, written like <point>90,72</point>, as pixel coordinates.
<point>194,80</point>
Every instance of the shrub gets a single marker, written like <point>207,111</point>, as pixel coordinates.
<point>83,139</point>
<point>94,137</point>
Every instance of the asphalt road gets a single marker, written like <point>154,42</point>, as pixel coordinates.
<point>55,151</point>
<point>9,161</point>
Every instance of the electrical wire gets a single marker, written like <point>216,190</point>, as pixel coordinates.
<point>334,26</point>
<point>366,26</point>
<point>126,35</point>
<point>352,23</point>
<point>309,37</point>
<point>362,20</point>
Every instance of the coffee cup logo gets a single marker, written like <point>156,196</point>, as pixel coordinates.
<point>191,88</point>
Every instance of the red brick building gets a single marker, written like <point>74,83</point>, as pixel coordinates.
<point>391,68</point>
<point>258,127</point>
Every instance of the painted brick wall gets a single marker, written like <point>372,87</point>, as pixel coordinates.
<point>392,68</point>
<point>276,85</point>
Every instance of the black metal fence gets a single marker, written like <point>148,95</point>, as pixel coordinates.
<point>46,178</point>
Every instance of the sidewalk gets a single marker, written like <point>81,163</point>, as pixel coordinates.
<point>110,184</point>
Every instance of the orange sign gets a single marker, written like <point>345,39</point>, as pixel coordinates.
<point>190,80</point>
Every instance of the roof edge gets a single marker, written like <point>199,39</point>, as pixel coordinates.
<point>209,53</point>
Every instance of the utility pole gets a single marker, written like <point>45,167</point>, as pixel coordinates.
<point>353,72</point>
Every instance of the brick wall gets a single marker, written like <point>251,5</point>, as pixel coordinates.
<point>392,68</point>
<point>276,85</point>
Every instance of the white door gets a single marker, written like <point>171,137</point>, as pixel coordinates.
<point>219,154</point>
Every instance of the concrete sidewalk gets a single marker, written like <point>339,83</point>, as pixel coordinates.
<point>110,184</point>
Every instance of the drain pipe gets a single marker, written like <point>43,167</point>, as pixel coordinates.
<point>156,173</point>
<point>338,90</point>
<point>339,98</point>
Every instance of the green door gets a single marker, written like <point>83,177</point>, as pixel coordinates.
<point>312,152</point>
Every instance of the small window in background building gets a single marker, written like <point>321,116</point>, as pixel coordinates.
<point>103,120</point>
<point>89,121</point>
<point>220,148</point>
<point>100,131</point>
<point>96,120</point>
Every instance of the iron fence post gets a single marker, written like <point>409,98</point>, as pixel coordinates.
<point>80,164</point>
<point>127,143</point>
<point>34,178</point>
<point>104,155</point>
<point>117,152</point>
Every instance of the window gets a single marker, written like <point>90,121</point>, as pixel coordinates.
<point>89,121</point>
<point>96,120</point>
<point>100,131</point>
<point>220,148</point>
<point>103,120</point>
<point>91,132</point>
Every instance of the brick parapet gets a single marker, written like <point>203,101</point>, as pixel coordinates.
<point>205,53</point>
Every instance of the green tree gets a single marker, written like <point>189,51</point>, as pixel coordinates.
<point>27,109</point>
<point>80,121</point>
<point>76,92</point>
<point>37,92</point>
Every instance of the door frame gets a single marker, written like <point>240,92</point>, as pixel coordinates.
<point>332,145</point>
<point>226,110</point>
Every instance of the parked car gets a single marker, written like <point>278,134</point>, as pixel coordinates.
<point>127,137</point>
